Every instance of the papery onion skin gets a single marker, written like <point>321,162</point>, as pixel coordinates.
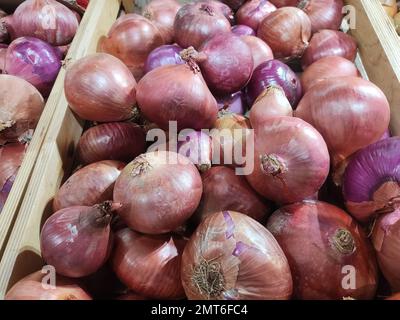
<point>291,160</point>
<point>327,43</point>
<point>242,258</point>
<point>321,242</point>
<point>100,88</point>
<point>149,264</point>
<point>158,179</point>
<point>164,55</point>
<point>198,148</point>
<point>253,12</point>
<point>31,288</point>
<point>243,30</point>
<point>88,186</point>
<point>260,50</point>
<point>287,31</point>
<point>234,103</point>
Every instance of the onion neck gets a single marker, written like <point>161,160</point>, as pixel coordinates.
<point>273,165</point>
<point>192,54</point>
<point>389,195</point>
<point>303,4</point>
<point>272,89</point>
<point>140,166</point>
<point>102,215</point>
<point>207,9</point>
<point>344,242</point>
<point>208,279</point>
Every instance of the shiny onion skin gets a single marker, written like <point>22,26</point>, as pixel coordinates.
<point>77,240</point>
<point>198,148</point>
<point>21,106</point>
<point>233,257</point>
<point>371,183</point>
<point>320,242</point>
<point>327,43</point>
<point>100,88</point>
<point>197,22</point>
<point>260,50</point>
<point>164,55</point>
<point>157,180</point>
<point>149,265</point>
<point>131,39</point>
<point>88,186</point>
<point>291,160</point>
<point>253,12</point>
<point>287,31</point>
<point>242,30</point>
<point>234,103</point>
<point>359,109</point>
<point>325,68</point>
<point>183,96</point>
<point>31,288</point>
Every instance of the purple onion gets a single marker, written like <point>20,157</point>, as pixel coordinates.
<point>371,183</point>
<point>35,61</point>
<point>386,135</point>
<point>197,148</point>
<point>164,55</point>
<point>243,30</point>
<point>253,12</point>
<point>274,72</point>
<point>234,103</point>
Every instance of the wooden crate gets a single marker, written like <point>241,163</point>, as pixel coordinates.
<point>22,254</point>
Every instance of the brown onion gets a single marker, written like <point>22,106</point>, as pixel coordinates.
<point>233,257</point>
<point>260,50</point>
<point>253,12</point>
<point>149,265</point>
<point>287,31</point>
<point>100,88</point>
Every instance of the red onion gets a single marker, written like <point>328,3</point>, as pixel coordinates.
<point>21,107</point>
<point>234,103</point>
<point>287,31</point>
<point>386,135</point>
<point>329,254</point>
<point>157,180</point>
<point>253,12</point>
<point>131,39</point>
<point>100,88</point>
<point>197,22</point>
<point>233,257</point>
<point>111,141</point>
<point>83,3</point>
<point>164,55</point>
<point>242,30</point>
<point>327,43</point>
<point>260,50</point>
<point>291,160</point>
<point>371,183</point>
<point>32,288</point>
<point>284,3</point>
<point>88,186</point>
<point>274,72</point>
<point>175,100</point>
<point>223,8</point>
<point>197,147</point>
<point>77,240</point>
<point>149,265</point>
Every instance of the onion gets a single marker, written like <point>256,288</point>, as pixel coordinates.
<point>329,255</point>
<point>175,99</point>
<point>83,3</point>
<point>260,50</point>
<point>3,51</point>
<point>327,43</point>
<point>47,20</point>
<point>35,61</point>
<point>291,160</point>
<point>100,88</point>
<point>157,180</point>
<point>242,30</point>
<point>149,265</point>
<point>131,39</point>
<point>32,288</point>
<point>371,184</point>
<point>287,31</point>
<point>359,108</point>
<point>88,186</point>
<point>223,8</point>
<point>3,14</point>
<point>325,68</point>
<point>234,103</point>
<point>21,107</point>
<point>164,55</point>
<point>253,12</point>
<point>197,22</point>
<point>234,4</point>
<point>284,3</point>
<point>77,240</point>
<point>197,147</point>
<point>274,72</point>
<point>233,257</point>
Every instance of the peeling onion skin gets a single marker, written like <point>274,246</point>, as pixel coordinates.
<point>243,260</point>
<point>319,241</point>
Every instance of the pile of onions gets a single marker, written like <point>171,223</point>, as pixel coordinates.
<point>233,257</point>
<point>100,88</point>
<point>21,106</point>
<point>175,100</point>
<point>328,253</point>
<point>260,50</point>
<point>253,12</point>
<point>371,183</point>
<point>162,56</point>
<point>149,265</point>
<point>287,31</point>
<point>234,103</point>
<point>32,288</point>
<point>131,39</point>
<point>198,148</point>
<point>291,160</point>
<point>197,22</point>
<point>47,20</point>
<point>88,186</point>
<point>243,30</point>
<point>327,43</point>
<point>35,61</point>
<point>121,141</point>
<point>157,180</point>
<point>77,240</point>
